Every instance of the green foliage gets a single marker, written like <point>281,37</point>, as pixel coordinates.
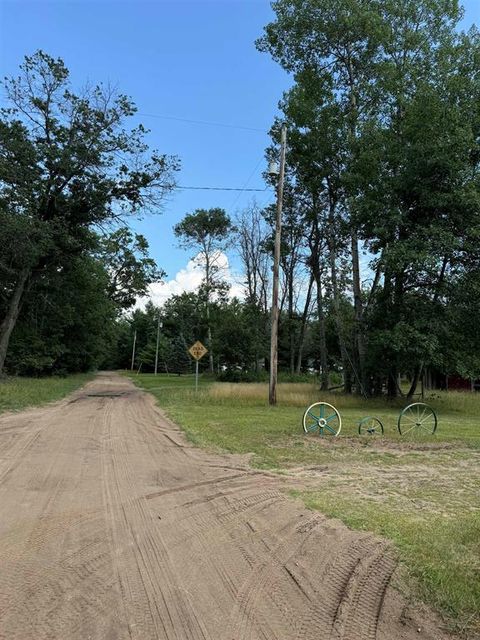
<point>67,321</point>
<point>131,268</point>
<point>179,360</point>
<point>209,232</point>
<point>69,165</point>
<point>383,124</point>
<point>207,229</point>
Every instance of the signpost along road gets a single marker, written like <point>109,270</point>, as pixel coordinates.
<point>197,351</point>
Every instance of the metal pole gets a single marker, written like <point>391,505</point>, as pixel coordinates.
<point>158,339</point>
<point>272,392</point>
<point>133,349</point>
<point>196,376</point>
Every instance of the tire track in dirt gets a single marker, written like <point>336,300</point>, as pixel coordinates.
<point>113,527</point>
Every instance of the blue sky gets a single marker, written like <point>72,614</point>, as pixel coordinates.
<point>184,59</point>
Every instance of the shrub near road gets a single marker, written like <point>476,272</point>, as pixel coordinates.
<point>421,493</point>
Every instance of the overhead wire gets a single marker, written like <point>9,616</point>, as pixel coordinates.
<point>241,190</point>
<point>244,188</point>
<point>203,122</point>
<point>221,188</point>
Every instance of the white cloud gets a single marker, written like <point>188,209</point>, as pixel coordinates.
<point>189,279</point>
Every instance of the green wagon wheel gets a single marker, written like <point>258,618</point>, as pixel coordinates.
<point>417,418</point>
<point>322,418</point>
<point>370,426</point>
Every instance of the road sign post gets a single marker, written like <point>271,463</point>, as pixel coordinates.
<point>197,351</point>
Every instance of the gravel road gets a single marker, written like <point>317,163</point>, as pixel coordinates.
<point>113,527</point>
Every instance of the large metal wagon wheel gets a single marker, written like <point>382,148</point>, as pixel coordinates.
<point>417,418</point>
<point>322,418</point>
<point>370,426</point>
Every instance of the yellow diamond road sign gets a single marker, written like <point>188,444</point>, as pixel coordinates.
<point>197,350</point>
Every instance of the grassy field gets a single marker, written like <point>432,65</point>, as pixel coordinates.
<point>19,393</point>
<point>421,492</point>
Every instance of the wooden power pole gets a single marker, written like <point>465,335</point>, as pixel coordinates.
<point>159,326</point>
<point>272,392</point>
<point>133,349</point>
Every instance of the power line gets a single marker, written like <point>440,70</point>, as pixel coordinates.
<point>222,189</point>
<point>203,122</point>
<point>244,188</point>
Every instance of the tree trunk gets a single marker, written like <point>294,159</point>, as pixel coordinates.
<point>303,327</point>
<point>209,329</point>
<point>291,334</point>
<point>347,379</point>
<point>392,383</point>
<point>360,344</point>
<point>416,377</point>
<point>210,352</point>
<point>321,327</point>
<point>358,315</point>
<point>10,319</point>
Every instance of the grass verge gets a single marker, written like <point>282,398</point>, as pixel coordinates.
<point>421,492</point>
<point>20,393</point>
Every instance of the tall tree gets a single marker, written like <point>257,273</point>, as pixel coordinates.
<point>67,164</point>
<point>209,232</point>
<point>253,239</point>
<point>402,81</point>
<point>252,234</point>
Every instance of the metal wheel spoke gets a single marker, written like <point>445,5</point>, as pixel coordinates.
<point>426,418</point>
<point>370,425</point>
<point>417,416</point>
<point>427,429</point>
<point>317,413</point>
<point>408,430</point>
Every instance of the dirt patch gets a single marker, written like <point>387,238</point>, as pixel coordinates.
<point>383,445</point>
<point>112,527</point>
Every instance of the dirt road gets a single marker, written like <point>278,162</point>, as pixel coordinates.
<point>112,527</point>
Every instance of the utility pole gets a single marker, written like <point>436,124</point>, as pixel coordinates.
<point>133,349</point>
<point>272,392</point>
<point>159,326</point>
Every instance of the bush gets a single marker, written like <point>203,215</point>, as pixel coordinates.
<point>285,376</point>
<point>238,375</point>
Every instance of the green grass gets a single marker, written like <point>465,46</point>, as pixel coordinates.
<point>440,549</point>
<point>421,492</point>
<point>20,393</point>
